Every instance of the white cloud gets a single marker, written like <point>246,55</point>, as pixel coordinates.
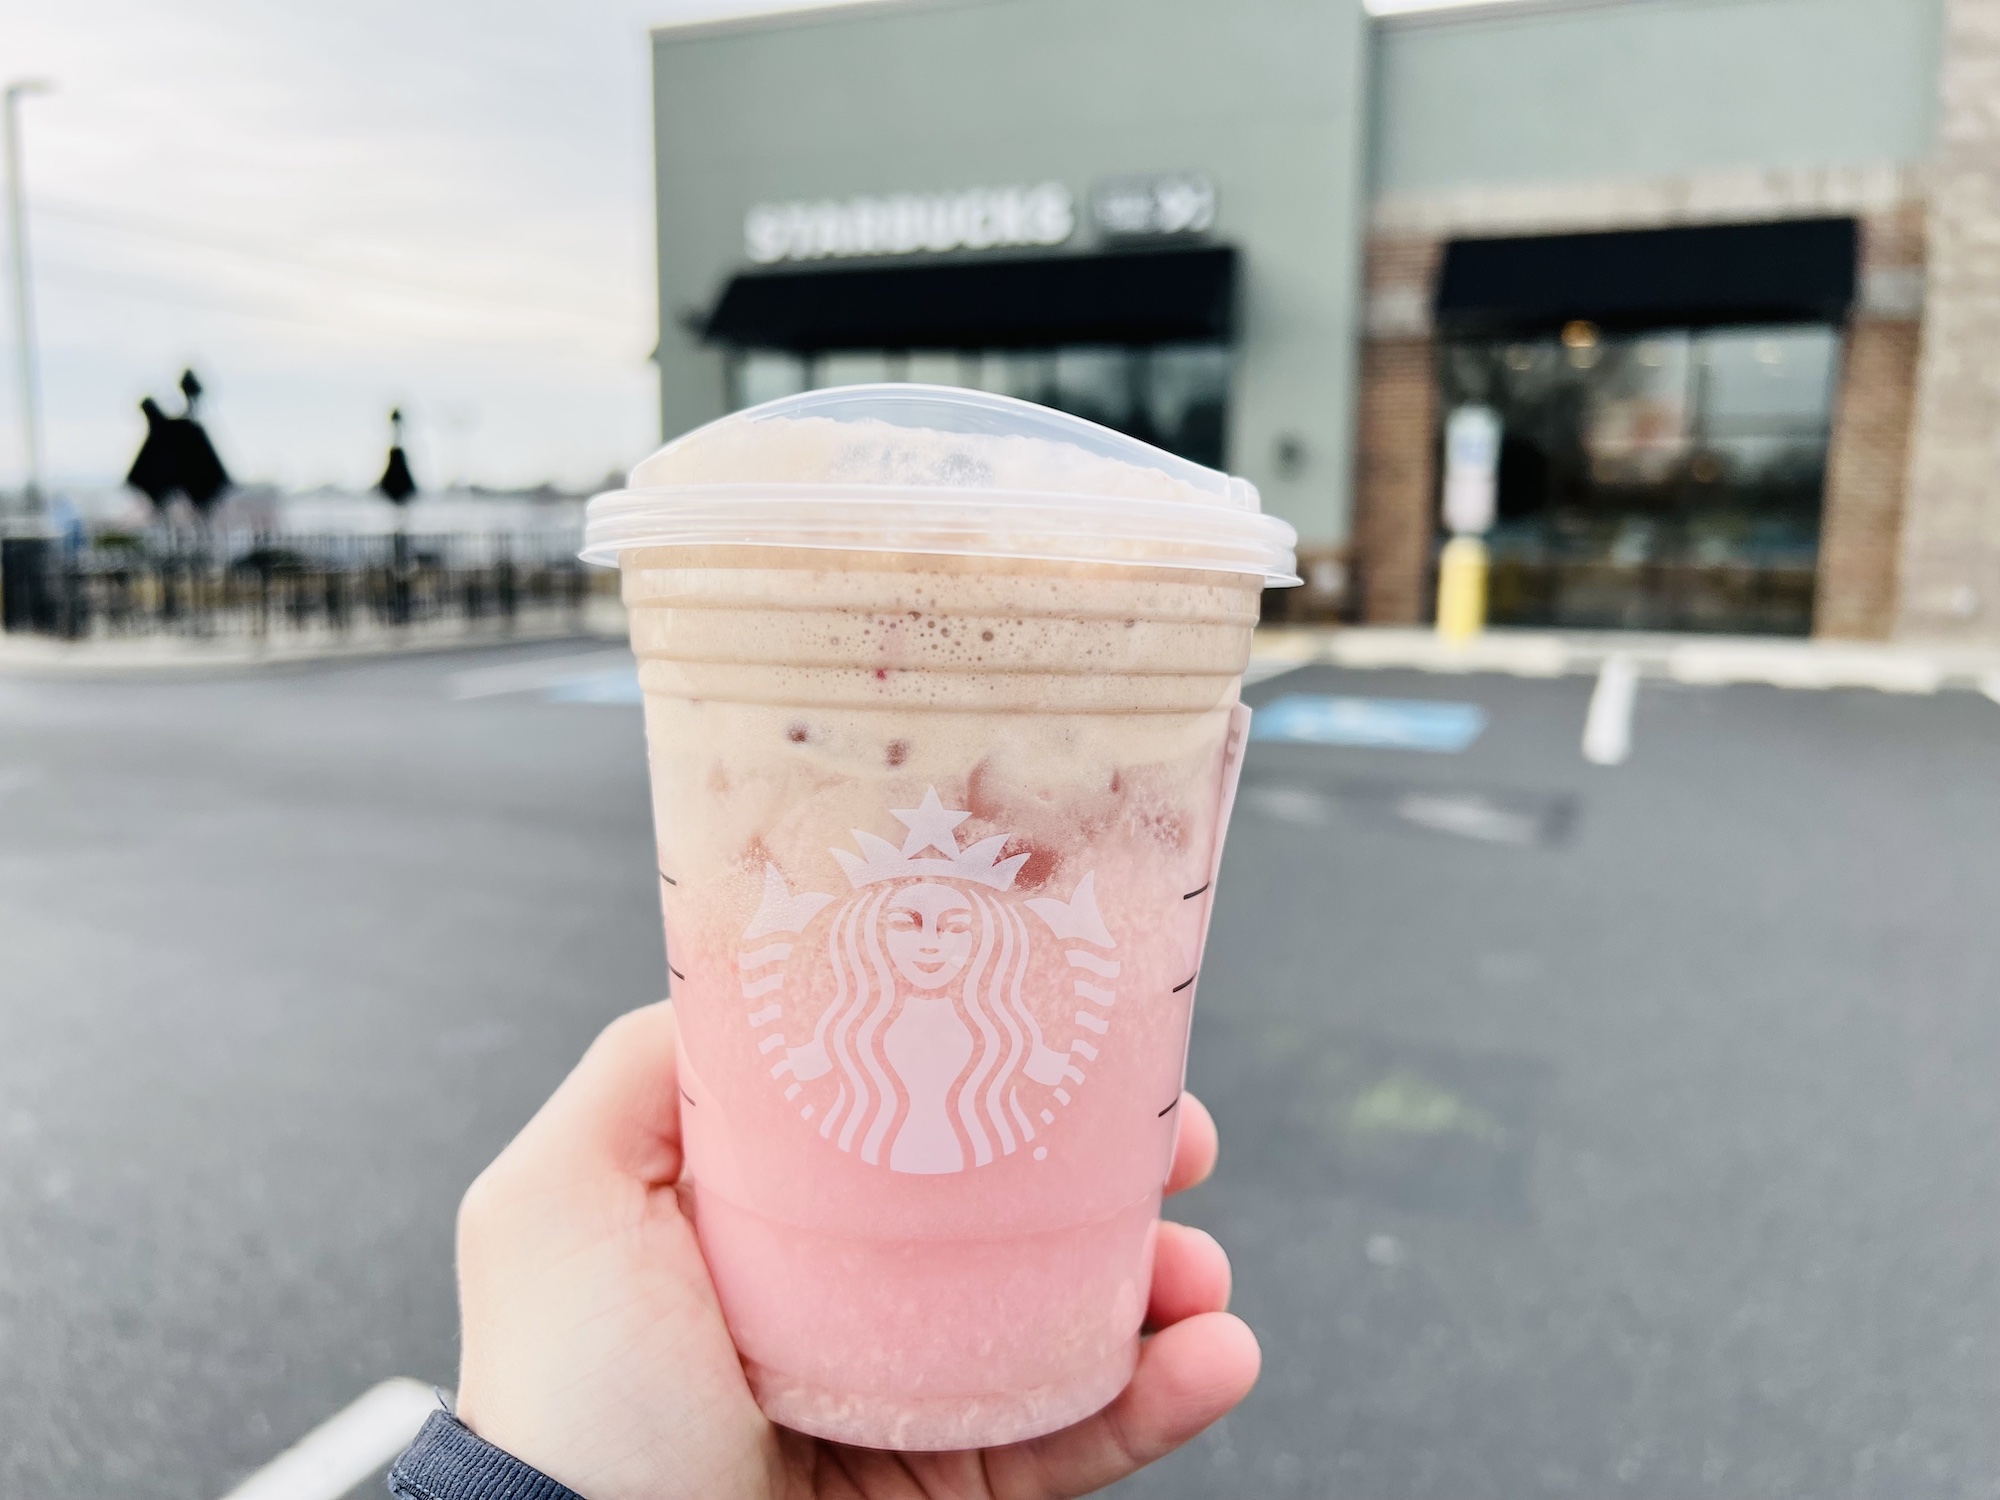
<point>329,209</point>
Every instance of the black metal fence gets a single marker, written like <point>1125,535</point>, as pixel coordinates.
<point>261,584</point>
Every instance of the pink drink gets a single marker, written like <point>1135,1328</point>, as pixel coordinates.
<point>937,834</point>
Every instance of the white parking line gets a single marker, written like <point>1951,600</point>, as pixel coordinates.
<point>1607,727</point>
<point>346,1448</point>
<point>1290,804</point>
<point>1470,817</point>
<point>1990,686</point>
<point>531,676</point>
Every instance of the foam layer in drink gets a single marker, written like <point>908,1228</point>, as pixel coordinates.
<point>935,839</point>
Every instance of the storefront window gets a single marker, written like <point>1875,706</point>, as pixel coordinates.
<point>1174,395</point>
<point>1668,480</point>
<point>1187,390</point>
<point>1026,375</point>
<point>1097,384</point>
<point>855,367</point>
<point>759,375</point>
<point>927,367</point>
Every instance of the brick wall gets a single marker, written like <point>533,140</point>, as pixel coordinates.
<point>1396,485</point>
<point>1396,443</point>
<point>1950,564</point>
<point>1867,464</point>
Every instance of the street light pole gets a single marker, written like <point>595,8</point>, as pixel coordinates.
<point>24,301</point>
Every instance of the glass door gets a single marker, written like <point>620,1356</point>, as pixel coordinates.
<point>1667,480</point>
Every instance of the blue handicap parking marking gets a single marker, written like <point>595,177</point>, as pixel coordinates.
<point>1378,723</point>
<point>619,685</point>
<point>1296,718</point>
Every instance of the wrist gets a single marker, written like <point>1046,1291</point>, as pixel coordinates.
<point>449,1461</point>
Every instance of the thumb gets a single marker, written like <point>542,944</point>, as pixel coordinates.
<point>618,1114</point>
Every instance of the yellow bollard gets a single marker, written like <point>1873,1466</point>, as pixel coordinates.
<point>1461,590</point>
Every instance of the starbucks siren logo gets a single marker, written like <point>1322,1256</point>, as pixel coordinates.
<point>925,1057</point>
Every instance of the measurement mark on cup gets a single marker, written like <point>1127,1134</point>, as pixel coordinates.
<point>1168,1110</point>
<point>1198,890</point>
<point>689,1097</point>
<point>1186,982</point>
<point>676,973</point>
<point>668,878</point>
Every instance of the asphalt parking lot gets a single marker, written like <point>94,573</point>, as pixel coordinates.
<point>1588,1130</point>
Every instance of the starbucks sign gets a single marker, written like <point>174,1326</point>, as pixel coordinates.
<point>910,223</point>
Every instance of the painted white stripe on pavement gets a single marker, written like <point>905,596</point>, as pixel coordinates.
<point>1990,686</point>
<point>1469,818</point>
<point>531,676</point>
<point>1607,728</point>
<point>346,1448</point>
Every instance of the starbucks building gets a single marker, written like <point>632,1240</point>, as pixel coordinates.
<point>1715,265</point>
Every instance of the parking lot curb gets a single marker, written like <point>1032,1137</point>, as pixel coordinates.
<point>1702,660</point>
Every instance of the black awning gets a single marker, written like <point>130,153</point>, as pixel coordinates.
<point>1799,270</point>
<point>1124,297</point>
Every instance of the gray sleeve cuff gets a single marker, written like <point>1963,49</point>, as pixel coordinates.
<point>448,1461</point>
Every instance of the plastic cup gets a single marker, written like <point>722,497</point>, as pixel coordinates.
<point>941,699</point>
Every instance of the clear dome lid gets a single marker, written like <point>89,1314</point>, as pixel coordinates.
<point>935,469</point>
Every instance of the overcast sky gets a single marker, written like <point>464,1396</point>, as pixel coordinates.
<point>331,209</point>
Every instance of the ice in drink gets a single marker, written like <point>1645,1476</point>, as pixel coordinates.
<point>937,832</point>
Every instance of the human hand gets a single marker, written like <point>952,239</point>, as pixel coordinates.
<point>594,1347</point>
